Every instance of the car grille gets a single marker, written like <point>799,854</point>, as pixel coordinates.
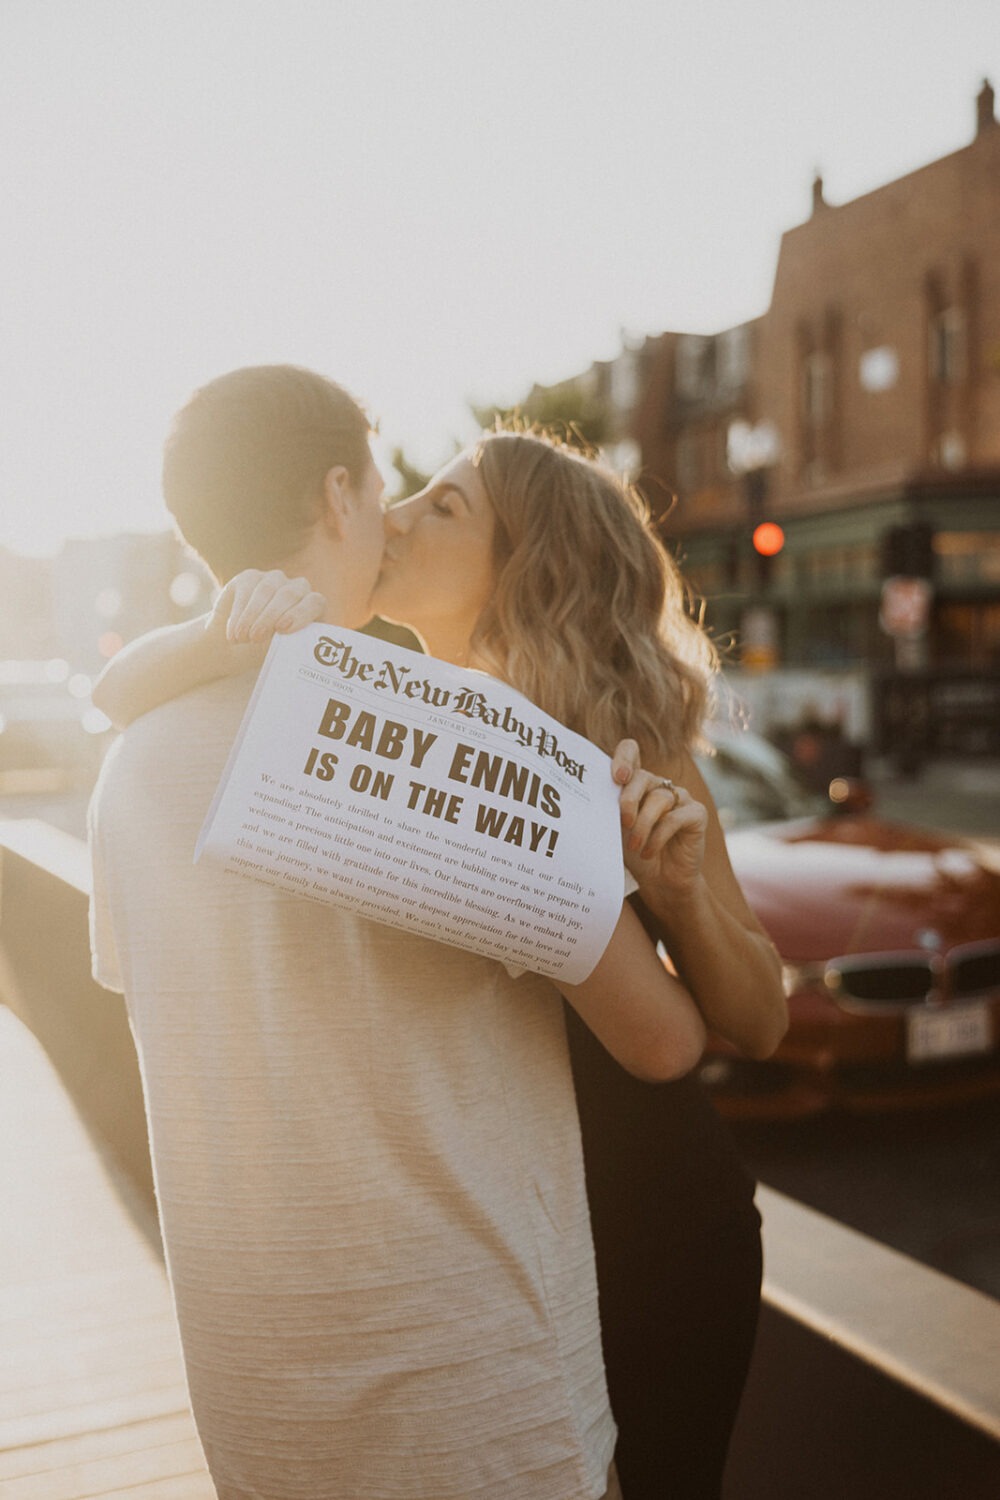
<point>896,981</point>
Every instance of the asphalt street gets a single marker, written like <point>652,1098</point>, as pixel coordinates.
<point>955,796</point>
<point>924,1182</point>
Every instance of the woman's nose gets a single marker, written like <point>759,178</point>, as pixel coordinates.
<point>400,517</point>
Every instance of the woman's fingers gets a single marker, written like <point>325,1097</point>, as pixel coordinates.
<point>233,599</point>
<point>262,603</point>
<point>305,611</point>
<point>625,762</point>
<point>663,825</point>
<point>657,805</point>
<point>689,818</point>
<point>272,595</point>
<point>641,785</point>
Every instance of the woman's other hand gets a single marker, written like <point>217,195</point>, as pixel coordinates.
<point>664,828</point>
<point>253,606</point>
<point>674,846</point>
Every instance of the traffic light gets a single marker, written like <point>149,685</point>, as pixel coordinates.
<point>768,540</point>
<point>908,551</point>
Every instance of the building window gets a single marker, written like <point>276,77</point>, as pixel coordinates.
<point>816,374</point>
<point>947,346</point>
<point>733,357</point>
<point>624,383</point>
<point>878,369</point>
<point>839,568</point>
<point>968,636</point>
<point>694,359</point>
<point>688,465</point>
<point>968,558</point>
<point>950,452</point>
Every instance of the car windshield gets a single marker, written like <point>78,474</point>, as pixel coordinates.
<point>751,782</point>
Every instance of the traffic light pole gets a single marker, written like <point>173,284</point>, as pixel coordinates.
<point>760,647</point>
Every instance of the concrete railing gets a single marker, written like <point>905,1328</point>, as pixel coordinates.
<point>874,1376</point>
<point>45,979</point>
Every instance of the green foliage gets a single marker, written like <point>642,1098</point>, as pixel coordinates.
<point>565,409</point>
<point>412,479</point>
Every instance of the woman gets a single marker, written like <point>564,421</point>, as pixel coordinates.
<point>565,592</point>
<point>530,561</point>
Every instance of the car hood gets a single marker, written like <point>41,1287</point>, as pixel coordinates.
<point>827,887</point>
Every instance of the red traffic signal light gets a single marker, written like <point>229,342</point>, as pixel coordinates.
<point>768,539</point>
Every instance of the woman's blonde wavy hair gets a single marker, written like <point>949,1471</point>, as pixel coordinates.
<point>590,616</point>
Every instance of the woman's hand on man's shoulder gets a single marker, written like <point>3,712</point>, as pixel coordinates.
<point>253,606</point>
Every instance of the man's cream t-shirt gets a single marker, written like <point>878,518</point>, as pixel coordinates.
<point>368,1168</point>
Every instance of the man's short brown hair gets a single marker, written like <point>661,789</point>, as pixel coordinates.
<point>246,457</point>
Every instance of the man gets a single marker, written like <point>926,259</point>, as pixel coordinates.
<point>365,1144</point>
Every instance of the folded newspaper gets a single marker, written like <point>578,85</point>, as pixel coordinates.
<point>425,796</point>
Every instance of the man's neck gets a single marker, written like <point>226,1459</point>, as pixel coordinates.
<point>324,565</point>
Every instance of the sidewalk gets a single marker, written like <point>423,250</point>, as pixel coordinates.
<point>92,1393</point>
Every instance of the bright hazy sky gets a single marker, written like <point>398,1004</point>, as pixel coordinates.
<point>429,200</point>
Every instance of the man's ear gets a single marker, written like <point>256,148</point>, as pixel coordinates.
<point>337,494</point>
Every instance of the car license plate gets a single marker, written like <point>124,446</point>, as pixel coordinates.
<point>960,1031</point>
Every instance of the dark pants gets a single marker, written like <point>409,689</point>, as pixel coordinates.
<point>677,1242</point>
<point>678,1330</point>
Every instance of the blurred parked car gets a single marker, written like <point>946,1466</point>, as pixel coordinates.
<point>890,937</point>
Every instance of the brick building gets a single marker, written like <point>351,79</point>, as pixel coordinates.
<point>863,403</point>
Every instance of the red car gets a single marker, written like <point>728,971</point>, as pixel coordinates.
<point>890,937</point>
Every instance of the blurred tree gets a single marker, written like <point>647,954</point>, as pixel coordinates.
<point>576,416</point>
<point>411,478</point>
